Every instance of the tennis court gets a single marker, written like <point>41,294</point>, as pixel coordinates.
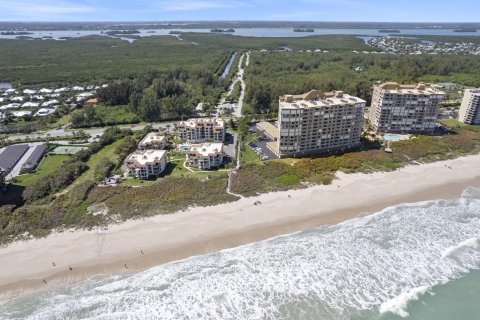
<point>67,149</point>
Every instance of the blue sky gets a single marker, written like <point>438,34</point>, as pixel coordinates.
<point>293,10</point>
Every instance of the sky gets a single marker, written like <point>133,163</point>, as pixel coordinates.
<point>195,10</point>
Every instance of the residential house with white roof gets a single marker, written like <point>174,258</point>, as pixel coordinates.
<point>45,90</point>
<point>30,105</point>
<point>29,91</point>
<point>45,112</point>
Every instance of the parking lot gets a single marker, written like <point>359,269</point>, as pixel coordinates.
<point>260,144</point>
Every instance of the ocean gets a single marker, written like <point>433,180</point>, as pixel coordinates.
<point>412,261</point>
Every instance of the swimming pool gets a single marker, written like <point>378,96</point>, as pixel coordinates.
<point>394,137</point>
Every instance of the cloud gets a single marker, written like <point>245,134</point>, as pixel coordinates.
<point>30,9</point>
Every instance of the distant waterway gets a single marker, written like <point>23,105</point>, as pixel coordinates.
<point>247,32</point>
<point>5,85</point>
<point>229,65</point>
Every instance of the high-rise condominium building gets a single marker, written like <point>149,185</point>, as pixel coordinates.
<point>202,130</point>
<point>404,108</point>
<point>470,108</point>
<point>317,122</point>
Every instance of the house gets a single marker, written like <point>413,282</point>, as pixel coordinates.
<point>146,164</point>
<point>17,99</point>
<point>45,91</point>
<point>30,105</point>
<point>45,112</point>
<point>10,106</point>
<point>29,91</point>
<point>153,141</point>
<point>205,156</point>
<point>19,114</point>
<point>50,103</point>
<point>10,92</point>
<point>92,101</point>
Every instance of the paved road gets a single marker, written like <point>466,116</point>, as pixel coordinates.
<point>62,132</point>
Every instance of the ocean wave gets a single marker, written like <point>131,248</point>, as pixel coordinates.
<point>358,268</point>
<point>398,305</point>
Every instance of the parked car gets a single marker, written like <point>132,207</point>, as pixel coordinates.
<point>265,158</point>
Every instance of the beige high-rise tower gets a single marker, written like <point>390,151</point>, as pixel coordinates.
<point>318,122</point>
<point>404,108</point>
<point>470,109</point>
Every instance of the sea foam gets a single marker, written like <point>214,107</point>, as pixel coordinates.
<point>356,269</point>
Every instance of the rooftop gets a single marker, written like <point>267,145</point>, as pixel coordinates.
<point>147,156</point>
<point>420,88</point>
<point>152,137</point>
<point>207,149</point>
<point>200,121</point>
<point>317,98</point>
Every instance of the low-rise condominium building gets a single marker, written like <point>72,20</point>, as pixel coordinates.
<point>205,156</point>
<point>153,140</point>
<point>470,109</point>
<point>202,130</point>
<point>318,122</point>
<point>400,108</point>
<point>147,164</point>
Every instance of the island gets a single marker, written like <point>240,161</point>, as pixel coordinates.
<point>303,30</point>
<point>222,30</point>
<point>389,31</point>
<point>121,32</point>
<point>465,30</point>
<point>15,33</point>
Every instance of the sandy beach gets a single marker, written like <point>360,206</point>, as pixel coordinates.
<point>140,244</point>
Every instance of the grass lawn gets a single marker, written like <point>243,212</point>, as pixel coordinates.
<point>48,165</point>
<point>249,156</point>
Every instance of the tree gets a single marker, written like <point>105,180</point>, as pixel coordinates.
<point>103,169</point>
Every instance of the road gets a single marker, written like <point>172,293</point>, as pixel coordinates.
<point>62,132</point>
<point>239,105</point>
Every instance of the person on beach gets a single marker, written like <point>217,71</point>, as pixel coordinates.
<point>53,264</point>
<point>126,266</point>
<point>141,251</point>
<point>44,281</point>
<point>70,267</point>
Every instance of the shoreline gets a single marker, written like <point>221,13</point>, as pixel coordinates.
<point>201,230</point>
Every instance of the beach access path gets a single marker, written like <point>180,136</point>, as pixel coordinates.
<point>148,242</point>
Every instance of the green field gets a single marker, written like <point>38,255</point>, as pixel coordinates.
<point>49,164</point>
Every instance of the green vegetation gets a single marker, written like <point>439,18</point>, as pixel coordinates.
<point>47,166</point>
<point>273,74</point>
<point>73,169</point>
<point>155,96</point>
<point>101,115</point>
<point>99,59</point>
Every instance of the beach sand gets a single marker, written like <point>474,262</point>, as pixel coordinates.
<point>200,230</point>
